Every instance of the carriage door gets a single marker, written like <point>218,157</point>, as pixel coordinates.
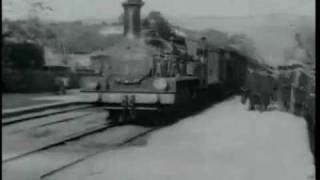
<point>213,68</point>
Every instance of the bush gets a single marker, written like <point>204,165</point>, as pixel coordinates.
<point>74,82</point>
<point>28,81</point>
<point>25,55</point>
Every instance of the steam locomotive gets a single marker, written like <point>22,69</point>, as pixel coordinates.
<point>145,73</point>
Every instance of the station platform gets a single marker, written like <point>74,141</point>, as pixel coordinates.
<point>31,103</point>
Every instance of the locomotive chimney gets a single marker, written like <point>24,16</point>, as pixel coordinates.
<point>132,20</point>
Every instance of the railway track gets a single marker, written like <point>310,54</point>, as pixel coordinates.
<point>117,146</point>
<point>72,143</point>
<point>75,117</point>
<point>64,120</point>
<point>54,143</point>
<point>89,124</point>
<point>42,114</point>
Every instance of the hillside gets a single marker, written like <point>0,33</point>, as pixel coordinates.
<point>71,37</point>
<point>268,37</point>
<point>273,35</point>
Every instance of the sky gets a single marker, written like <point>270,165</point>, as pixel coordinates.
<point>88,9</point>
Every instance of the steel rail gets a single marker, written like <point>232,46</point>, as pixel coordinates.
<point>59,142</point>
<point>34,116</point>
<point>119,145</point>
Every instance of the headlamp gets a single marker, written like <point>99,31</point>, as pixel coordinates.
<point>160,84</point>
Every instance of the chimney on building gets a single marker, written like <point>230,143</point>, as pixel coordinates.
<point>132,19</point>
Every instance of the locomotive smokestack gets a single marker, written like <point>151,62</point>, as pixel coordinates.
<point>132,20</point>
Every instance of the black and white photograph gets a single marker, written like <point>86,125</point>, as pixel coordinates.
<point>158,89</point>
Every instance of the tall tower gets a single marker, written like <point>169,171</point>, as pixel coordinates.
<point>132,19</point>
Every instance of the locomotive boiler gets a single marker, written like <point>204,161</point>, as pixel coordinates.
<point>145,73</point>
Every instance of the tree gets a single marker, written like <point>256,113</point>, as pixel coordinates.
<point>26,56</point>
<point>121,19</point>
<point>38,9</point>
<point>145,24</point>
<point>156,22</point>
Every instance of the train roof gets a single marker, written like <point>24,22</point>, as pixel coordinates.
<point>193,45</point>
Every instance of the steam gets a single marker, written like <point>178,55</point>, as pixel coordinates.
<point>179,32</point>
<point>273,37</point>
<point>245,45</point>
<point>109,30</point>
<point>303,50</point>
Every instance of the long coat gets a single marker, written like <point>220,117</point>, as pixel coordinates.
<point>285,81</point>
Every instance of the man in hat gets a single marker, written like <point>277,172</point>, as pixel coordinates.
<point>245,89</point>
<point>267,89</point>
<point>284,88</point>
<point>254,90</point>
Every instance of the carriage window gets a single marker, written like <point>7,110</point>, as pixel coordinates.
<point>202,52</point>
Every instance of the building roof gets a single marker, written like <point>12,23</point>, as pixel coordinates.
<point>80,61</point>
<point>53,58</point>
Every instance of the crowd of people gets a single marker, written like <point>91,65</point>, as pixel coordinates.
<point>292,88</point>
<point>260,89</point>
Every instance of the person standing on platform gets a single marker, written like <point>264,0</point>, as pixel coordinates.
<point>266,90</point>
<point>284,88</point>
<point>255,93</point>
<point>245,90</point>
